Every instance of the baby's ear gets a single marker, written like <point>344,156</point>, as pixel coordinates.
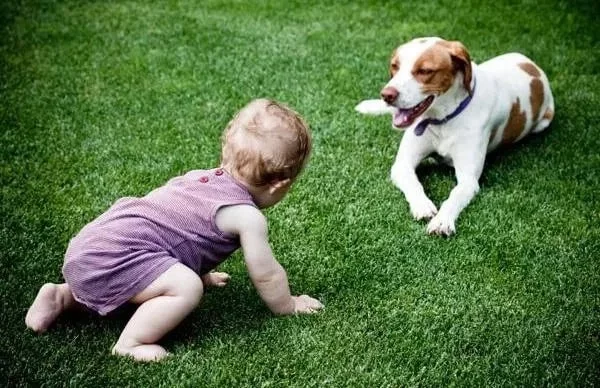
<point>277,185</point>
<point>374,107</point>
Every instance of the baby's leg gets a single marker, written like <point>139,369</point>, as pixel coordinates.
<point>51,300</point>
<point>163,305</point>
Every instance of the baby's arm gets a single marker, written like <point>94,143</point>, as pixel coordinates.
<point>267,275</point>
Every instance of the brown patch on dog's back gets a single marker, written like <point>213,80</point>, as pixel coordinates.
<point>530,69</point>
<point>515,124</point>
<point>536,98</point>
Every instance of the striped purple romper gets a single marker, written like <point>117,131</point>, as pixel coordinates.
<point>119,254</point>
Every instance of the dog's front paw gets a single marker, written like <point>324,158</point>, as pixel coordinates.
<point>423,209</point>
<point>441,226</point>
<point>373,107</point>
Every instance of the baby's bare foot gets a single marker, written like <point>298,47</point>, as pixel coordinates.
<point>146,352</point>
<point>215,279</point>
<point>46,307</point>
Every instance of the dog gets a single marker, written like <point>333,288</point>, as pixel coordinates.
<point>460,111</point>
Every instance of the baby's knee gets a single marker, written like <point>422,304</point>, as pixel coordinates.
<point>189,288</point>
<point>178,281</point>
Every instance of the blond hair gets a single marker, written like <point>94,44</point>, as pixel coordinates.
<point>265,142</point>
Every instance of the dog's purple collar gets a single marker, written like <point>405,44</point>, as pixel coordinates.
<point>422,126</point>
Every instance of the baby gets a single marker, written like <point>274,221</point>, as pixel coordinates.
<point>158,251</point>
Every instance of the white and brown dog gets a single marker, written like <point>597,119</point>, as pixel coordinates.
<point>459,110</point>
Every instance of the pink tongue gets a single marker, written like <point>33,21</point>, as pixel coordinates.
<point>401,119</point>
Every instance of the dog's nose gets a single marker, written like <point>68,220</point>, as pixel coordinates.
<point>389,94</point>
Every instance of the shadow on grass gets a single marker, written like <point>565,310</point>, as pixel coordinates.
<point>581,351</point>
<point>229,311</point>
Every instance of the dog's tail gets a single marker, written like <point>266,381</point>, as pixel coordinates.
<point>548,115</point>
<point>374,107</point>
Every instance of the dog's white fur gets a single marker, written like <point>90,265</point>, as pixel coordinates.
<point>503,93</point>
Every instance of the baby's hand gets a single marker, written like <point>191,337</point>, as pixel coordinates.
<point>215,279</point>
<point>304,304</point>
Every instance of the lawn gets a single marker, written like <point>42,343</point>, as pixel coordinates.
<point>104,99</point>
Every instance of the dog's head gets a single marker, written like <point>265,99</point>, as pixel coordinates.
<point>422,71</point>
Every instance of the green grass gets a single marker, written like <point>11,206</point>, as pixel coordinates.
<point>103,99</point>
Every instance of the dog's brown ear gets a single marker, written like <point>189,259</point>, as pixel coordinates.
<point>462,61</point>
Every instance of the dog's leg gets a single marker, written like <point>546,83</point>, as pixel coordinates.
<point>412,150</point>
<point>468,170</point>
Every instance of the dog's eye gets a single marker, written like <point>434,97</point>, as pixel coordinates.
<point>393,69</point>
<point>425,71</point>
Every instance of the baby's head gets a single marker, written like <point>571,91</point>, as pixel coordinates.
<point>265,147</point>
